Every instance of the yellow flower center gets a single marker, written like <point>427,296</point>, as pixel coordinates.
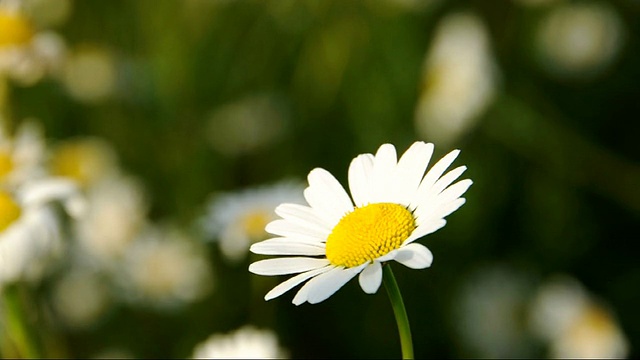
<point>83,161</point>
<point>254,223</point>
<point>14,29</point>
<point>6,163</point>
<point>369,232</point>
<point>9,210</point>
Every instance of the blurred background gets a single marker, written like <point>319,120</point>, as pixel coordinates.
<point>186,122</point>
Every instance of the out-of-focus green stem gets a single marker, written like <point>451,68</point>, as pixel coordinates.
<point>18,329</point>
<point>400,312</point>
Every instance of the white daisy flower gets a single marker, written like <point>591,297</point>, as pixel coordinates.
<point>26,52</point>
<point>87,160</point>
<point>334,238</point>
<point>574,323</point>
<point>115,214</point>
<point>247,342</point>
<point>459,79</point>
<point>30,232</point>
<point>164,267</point>
<point>579,38</point>
<point>238,219</point>
<point>21,153</point>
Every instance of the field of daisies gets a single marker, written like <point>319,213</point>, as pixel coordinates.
<point>319,179</point>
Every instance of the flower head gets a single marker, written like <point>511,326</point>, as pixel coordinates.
<point>237,220</point>
<point>574,323</point>
<point>246,342</point>
<point>392,204</point>
<point>30,228</point>
<point>165,268</point>
<point>26,52</point>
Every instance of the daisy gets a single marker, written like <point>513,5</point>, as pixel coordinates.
<point>459,79</point>
<point>237,219</point>
<point>21,152</point>
<point>338,237</point>
<point>574,323</point>
<point>164,267</point>
<point>247,342</point>
<point>26,52</point>
<point>30,228</point>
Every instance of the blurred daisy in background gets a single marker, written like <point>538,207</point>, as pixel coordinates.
<point>332,240</point>
<point>32,204</point>
<point>80,297</point>
<point>31,228</point>
<point>22,153</point>
<point>247,342</point>
<point>579,38</point>
<point>164,267</point>
<point>90,73</point>
<point>115,214</point>
<point>459,79</point>
<point>574,324</point>
<point>489,313</point>
<point>116,207</point>
<point>87,160</point>
<point>236,220</point>
<point>27,53</point>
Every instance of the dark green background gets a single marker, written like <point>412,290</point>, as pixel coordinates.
<point>554,161</point>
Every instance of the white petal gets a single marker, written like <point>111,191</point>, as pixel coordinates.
<point>359,177</point>
<point>42,191</point>
<point>455,191</point>
<point>371,277</point>
<point>287,246</point>
<point>445,210</point>
<point>325,285</point>
<point>388,256</point>
<point>431,204</point>
<point>288,265</point>
<point>302,294</point>
<point>447,179</point>
<point>286,228</point>
<point>383,167</point>
<point>415,256</point>
<point>327,197</point>
<point>409,172</point>
<point>433,175</point>
<point>336,197</point>
<point>292,282</point>
<point>425,229</point>
<point>302,215</point>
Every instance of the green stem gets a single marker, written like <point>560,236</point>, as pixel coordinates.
<point>398,309</point>
<point>17,326</point>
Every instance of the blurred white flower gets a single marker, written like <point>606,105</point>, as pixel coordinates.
<point>26,53</point>
<point>247,125</point>
<point>459,79</point>
<point>30,230</point>
<point>90,73</point>
<point>115,214</point>
<point>574,324</point>
<point>80,297</point>
<point>236,220</point>
<point>21,154</point>
<point>87,160</point>
<point>246,342</point>
<point>165,267</point>
<point>489,312</point>
<point>579,38</point>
